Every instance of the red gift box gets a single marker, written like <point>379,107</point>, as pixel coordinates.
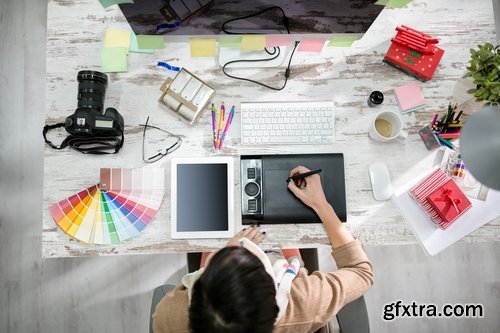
<point>414,52</point>
<point>450,202</point>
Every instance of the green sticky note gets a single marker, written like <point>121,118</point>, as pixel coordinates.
<point>150,42</point>
<point>134,47</point>
<point>344,40</point>
<point>397,3</point>
<point>230,41</point>
<point>382,2</point>
<point>114,59</point>
<point>107,3</point>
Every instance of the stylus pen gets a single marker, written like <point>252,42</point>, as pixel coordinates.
<point>303,175</point>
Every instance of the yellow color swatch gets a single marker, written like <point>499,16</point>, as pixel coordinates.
<point>117,38</point>
<point>253,42</point>
<point>203,47</point>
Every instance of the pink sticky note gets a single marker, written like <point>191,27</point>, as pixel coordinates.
<point>311,45</point>
<point>278,40</point>
<point>409,97</point>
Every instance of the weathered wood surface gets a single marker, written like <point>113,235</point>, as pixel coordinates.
<point>346,75</point>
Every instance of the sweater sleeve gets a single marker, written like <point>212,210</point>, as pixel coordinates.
<point>316,298</point>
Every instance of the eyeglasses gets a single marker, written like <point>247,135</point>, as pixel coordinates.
<point>172,141</point>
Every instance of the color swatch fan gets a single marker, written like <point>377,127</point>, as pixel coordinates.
<point>120,207</point>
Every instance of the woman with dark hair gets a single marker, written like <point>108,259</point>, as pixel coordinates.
<point>242,289</point>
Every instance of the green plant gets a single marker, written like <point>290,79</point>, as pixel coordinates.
<point>484,69</point>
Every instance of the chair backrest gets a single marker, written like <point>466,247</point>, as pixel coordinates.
<point>352,318</point>
<point>158,294</point>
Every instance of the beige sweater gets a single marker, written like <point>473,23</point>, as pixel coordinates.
<point>314,299</point>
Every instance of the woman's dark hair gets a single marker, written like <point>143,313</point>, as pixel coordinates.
<point>234,294</point>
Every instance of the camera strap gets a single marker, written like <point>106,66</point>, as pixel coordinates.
<point>86,144</point>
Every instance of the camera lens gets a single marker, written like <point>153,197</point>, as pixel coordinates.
<point>92,89</point>
<point>252,189</point>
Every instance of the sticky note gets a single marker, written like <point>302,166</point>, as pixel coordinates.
<point>409,97</point>
<point>253,42</point>
<point>344,40</point>
<point>107,3</point>
<point>311,45</point>
<point>114,59</point>
<point>117,38</point>
<point>278,40</point>
<point>382,2</point>
<point>134,47</point>
<point>397,3</point>
<point>230,41</point>
<point>203,47</point>
<point>150,42</point>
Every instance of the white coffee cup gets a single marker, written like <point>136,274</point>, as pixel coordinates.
<point>387,126</point>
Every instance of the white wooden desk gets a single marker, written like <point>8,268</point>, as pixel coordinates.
<point>346,75</point>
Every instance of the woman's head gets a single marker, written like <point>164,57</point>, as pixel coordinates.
<point>234,294</point>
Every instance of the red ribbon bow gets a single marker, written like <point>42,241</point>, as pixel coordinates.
<point>446,196</point>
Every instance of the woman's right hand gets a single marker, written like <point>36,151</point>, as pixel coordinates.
<point>310,191</point>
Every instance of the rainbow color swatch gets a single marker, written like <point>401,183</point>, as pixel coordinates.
<point>120,207</point>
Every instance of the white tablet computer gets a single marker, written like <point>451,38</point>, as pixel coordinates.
<point>202,197</point>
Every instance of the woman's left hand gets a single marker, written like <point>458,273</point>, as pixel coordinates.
<point>253,233</point>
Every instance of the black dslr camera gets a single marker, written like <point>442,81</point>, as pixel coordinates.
<point>89,119</point>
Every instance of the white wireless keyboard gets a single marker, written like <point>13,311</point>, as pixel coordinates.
<point>287,123</point>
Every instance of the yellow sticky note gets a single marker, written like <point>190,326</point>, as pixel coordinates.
<point>117,38</point>
<point>203,47</point>
<point>253,42</point>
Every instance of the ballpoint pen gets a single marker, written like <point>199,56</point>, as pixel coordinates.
<point>221,121</point>
<point>301,176</point>
<point>228,122</point>
<point>214,127</point>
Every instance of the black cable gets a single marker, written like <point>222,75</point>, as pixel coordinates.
<point>275,54</point>
<point>276,50</point>
<point>285,20</point>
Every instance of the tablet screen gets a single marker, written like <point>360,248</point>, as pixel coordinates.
<point>202,197</point>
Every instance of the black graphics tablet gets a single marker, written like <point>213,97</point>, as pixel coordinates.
<point>265,195</point>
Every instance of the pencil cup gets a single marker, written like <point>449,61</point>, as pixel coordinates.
<point>387,126</point>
